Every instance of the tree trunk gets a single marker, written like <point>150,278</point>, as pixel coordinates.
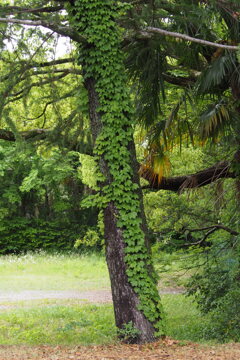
<point>136,301</point>
<point>125,300</point>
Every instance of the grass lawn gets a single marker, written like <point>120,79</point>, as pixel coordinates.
<point>69,322</point>
<point>53,272</point>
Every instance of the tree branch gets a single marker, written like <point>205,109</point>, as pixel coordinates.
<point>42,82</point>
<point>152,30</point>
<point>18,9</point>
<point>36,65</point>
<point>54,71</point>
<point>199,179</point>
<point>179,80</point>
<point>211,229</point>
<point>59,29</point>
<point>42,134</point>
<point>26,135</point>
<point>51,63</point>
<point>217,227</point>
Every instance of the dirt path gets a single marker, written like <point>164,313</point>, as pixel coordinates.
<point>92,296</point>
<point>164,350</point>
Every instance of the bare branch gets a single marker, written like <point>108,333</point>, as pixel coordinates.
<point>211,230</point>
<point>59,29</point>
<point>217,227</point>
<point>152,30</point>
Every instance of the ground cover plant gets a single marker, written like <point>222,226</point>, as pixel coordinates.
<point>52,324</point>
<point>74,323</point>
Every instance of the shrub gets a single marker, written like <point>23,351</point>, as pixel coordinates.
<point>226,317</point>
<point>22,235</point>
<point>217,291</point>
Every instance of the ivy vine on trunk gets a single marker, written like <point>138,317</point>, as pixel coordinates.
<point>133,281</point>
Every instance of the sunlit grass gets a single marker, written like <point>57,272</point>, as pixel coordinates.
<point>56,272</point>
<point>53,272</point>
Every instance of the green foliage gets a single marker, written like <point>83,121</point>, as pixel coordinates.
<point>225,319</point>
<point>169,214</point>
<point>41,195</point>
<point>128,333</point>
<point>90,239</point>
<point>102,61</point>
<point>216,289</point>
<point>215,74</point>
<point>21,235</point>
<point>89,171</point>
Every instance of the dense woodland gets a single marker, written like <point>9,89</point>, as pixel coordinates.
<point>79,81</point>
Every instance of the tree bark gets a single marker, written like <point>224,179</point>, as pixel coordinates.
<point>218,171</point>
<point>125,300</point>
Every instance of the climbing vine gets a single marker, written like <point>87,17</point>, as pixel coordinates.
<point>102,61</point>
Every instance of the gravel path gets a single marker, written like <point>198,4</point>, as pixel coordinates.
<point>92,296</point>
